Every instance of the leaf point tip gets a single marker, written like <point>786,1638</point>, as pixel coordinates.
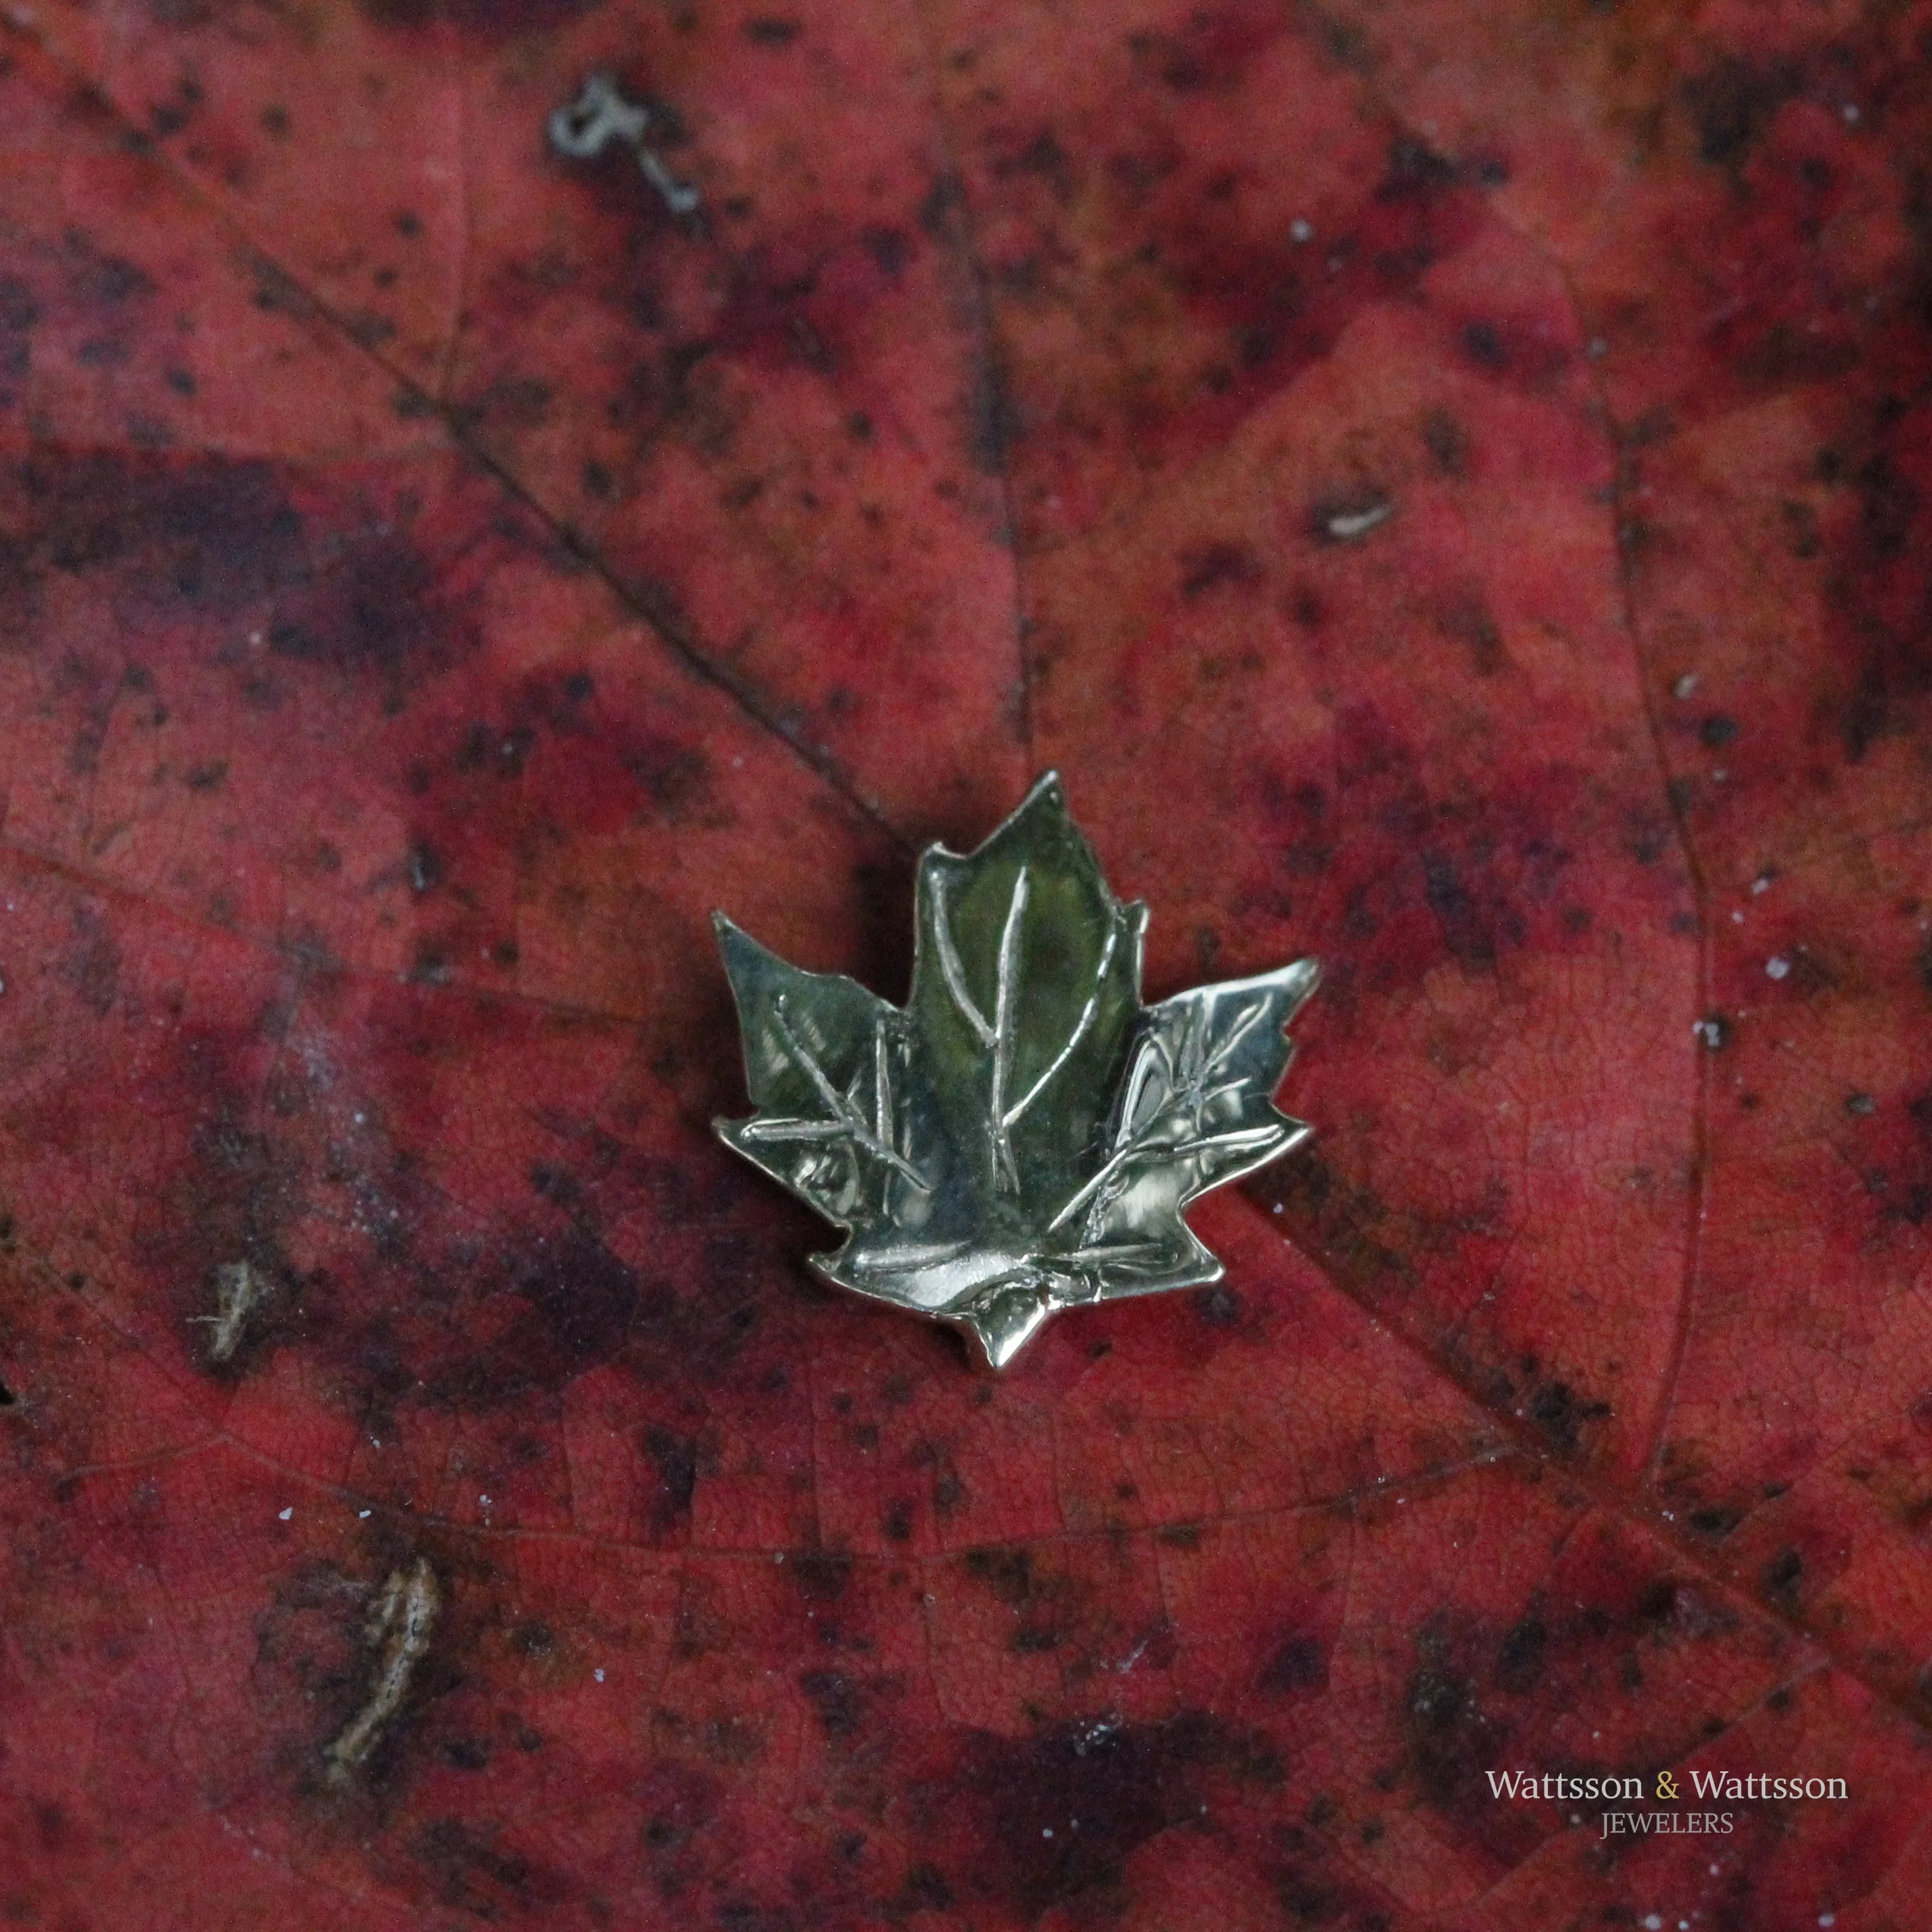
<point>1047,790</point>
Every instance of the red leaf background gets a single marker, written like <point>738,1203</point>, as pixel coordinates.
<point>1447,484</point>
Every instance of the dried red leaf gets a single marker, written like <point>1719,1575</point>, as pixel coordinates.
<point>1450,487</point>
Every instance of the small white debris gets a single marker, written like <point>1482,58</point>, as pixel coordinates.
<point>601,114</point>
<point>1596,348</point>
<point>1737,918</point>
<point>1711,1032</point>
<point>1777,967</point>
<point>484,1501</point>
<point>1684,686</point>
<point>360,1514</point>
<point>1299,230</point>
<point>1344,526</point>
<point>286,1513</point>
<point>1762,884</point>
<point>1046,1831</point>
<point>1276,1209</point>
<point>1721,775</point>
<point>598,1675</point>
<point>1653,1924</point>
<point>1828,1918</point>
<point>1851,115</point>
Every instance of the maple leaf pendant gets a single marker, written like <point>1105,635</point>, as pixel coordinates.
<point>1022,1136</point>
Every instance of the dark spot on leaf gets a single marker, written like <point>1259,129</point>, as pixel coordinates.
<point>1044,159</point>
<point>993,423</point>
<point>1448,441</point>
<point>1207,565</point>
<point>676,776</point>
<point>1299,1663</point>
<point>1483,344</point>
<point>212,534</point>
<point>1467,620</point>
<point>839,1701</point>
<point>1469,933</point>
<point>925,1890</point>
<point>1780,1577</point>
<point>1414,168</point>
<point>676,1457</point>
<point>469,1871</point>
<point>1556,1409</point>
<point>534,1639</point>
<point>1009,1573</point>
<point>822,1575</point>
<point>935,210</point>
<point>1211,52</point>
<point>1730,103</point>
<point>93,969</point>
<point>1714,1521</point>
<point>1519,1661</point>
<point>890,248</point>
<point>1123,1783</point>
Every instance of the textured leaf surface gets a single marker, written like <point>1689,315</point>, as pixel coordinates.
<point>1450,487</point>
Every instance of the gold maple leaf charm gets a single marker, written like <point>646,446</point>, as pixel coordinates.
<point>1022,1136</point>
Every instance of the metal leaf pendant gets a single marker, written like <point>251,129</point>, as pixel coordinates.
<point>1022,1136</point>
